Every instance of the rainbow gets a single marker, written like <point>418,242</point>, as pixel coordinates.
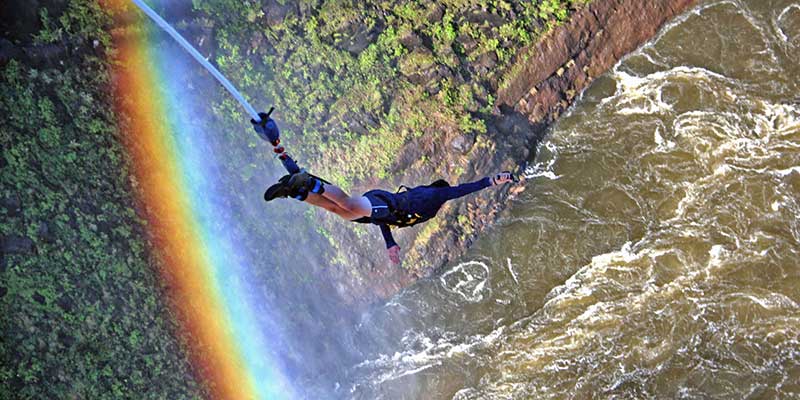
<point>208,286</point>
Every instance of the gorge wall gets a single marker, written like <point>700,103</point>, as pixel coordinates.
<point>541,84</point>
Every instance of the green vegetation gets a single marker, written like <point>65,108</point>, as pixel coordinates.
<point>357,85</point>
<point>80,308</point>
<point>360,84</point>
<point>356,81</point>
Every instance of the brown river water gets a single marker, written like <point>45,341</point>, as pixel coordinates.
<point>655,252</point>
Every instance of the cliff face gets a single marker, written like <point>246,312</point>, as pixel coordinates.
<point>542,83</point>
<point>550,74</point>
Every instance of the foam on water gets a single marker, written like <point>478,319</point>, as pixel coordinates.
<point>784,18</point>
<point>544,166</point>
<point>422,353</point>
<point>467,280</point>
<point>511,271</point>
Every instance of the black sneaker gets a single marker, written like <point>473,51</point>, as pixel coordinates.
<point>303,183</point>
<point>280,189</point>
<point>299,181</point>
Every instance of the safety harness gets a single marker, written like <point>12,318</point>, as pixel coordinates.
<point>401,208</point>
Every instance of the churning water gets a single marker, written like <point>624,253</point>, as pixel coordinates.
<point>655,252</point>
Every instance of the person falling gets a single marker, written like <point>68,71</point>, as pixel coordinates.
<point>379,207</point>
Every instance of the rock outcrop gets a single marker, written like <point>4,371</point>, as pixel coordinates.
<point>555,70</point>
<point>544,81</point>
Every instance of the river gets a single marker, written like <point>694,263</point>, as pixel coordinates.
<point>655,252</point>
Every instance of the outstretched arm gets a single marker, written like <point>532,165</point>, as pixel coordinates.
<point>467,188</point>
<point>464,189</point>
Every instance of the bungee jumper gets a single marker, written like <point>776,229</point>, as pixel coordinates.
<point>386,209</point>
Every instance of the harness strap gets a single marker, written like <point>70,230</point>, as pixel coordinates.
<point>403,217</point>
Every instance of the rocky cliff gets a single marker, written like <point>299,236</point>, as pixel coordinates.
<point>542,82</point>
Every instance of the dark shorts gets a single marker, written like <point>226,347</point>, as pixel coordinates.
<point>379,200</point>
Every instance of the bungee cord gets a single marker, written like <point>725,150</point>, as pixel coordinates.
<point>199,57</point>
<point>265,127</point>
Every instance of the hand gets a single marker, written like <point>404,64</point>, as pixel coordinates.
<point>501,178</point>
<point>267,129</point>
<point>394,254</point>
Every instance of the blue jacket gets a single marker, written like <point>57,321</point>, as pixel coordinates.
<point>414,205</point>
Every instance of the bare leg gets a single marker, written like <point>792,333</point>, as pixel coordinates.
<point>321,202</point>
<point>359,206</point>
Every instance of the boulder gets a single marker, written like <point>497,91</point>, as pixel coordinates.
<point>462,143</point>
<point>410,40</point>
<point>14,244</point>
<point>45,233</point>
<point>11,206</point>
